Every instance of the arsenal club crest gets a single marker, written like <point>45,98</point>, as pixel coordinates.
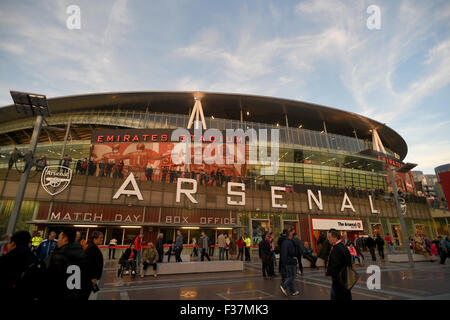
<point>55,179</point>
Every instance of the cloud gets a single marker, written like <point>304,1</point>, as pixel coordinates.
<point>83,60</point>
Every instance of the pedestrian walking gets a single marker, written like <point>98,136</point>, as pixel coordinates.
<point>281,269</point>
<point>354,254</point>
<point>203,245</point>
<point>36,240</point>
<point>325,248</point>
<point>240,244</point>
<point>265,254</point>
<point>288,260</point>
<point>271,240</point>
<point>112,248</point>
<point>46,247</point>
<point>221,243</point>
<point>437,243</point>
<point>194,252</point>
<point>338,260</point>
<point>380,246</point>
<point>227,245</point>
<point>81,242</point>
<point>178,246</point>
<point>160,247</point>
<point>150,258</point>
<point>445,249</point>
<point>21,274</point>
<point>390,244</point>
<point>65,260</point>
<point>94,262</point>
<point>4,241</point>
<point>248,243</point>
<point>370,243</point>
<point>211,246</point>
<point>300,249</point>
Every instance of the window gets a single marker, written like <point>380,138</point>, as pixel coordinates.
<point>130,235</point>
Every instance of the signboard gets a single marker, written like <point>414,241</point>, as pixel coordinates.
<point>338,224</point>
<point>54,179</point>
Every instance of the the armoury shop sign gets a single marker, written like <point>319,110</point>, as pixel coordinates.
<point>84,213</point>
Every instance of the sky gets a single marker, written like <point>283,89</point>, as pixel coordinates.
<point>315,51</point>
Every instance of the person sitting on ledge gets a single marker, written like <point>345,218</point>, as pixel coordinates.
<point>150,257</point>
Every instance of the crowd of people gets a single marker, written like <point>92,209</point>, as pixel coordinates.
<point>54,268</point>
<point>36,268</point>
<point>439,246</point>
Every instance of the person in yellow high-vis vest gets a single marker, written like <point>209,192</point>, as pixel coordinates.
<point>248,243</point>
<point>36,240</point>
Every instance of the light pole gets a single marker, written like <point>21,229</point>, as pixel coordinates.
<point>407,167</point>
<point>35,105</point>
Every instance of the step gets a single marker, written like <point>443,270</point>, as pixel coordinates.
<point>197,267</point>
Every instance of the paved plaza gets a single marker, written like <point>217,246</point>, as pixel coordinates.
<point>426,281</point>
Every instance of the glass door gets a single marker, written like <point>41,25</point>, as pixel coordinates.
<point>397,234</point>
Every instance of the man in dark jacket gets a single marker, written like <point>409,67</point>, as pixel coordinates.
<point>15,284</point>
<point>325,249</point>
<point>370,243</point>
<point>178,246</point>
<point>338,260</point>
<point>94,262</point>
<point>265,254</point>
<point>380,246</point>
<point>280,241</point>
<point>160,247</point>
<point>66,269</point>
<point>288,258</point>
<point>300,250</point>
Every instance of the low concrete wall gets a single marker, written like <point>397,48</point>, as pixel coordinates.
<point>197,267</point>
<point>403,257</point>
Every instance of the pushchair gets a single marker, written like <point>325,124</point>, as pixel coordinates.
<point>126,267</point>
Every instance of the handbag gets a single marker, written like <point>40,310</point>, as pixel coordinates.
<point>348,277</point>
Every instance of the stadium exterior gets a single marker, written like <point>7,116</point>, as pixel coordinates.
<point>332,169</point>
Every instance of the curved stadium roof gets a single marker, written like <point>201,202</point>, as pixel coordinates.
<point>228,106</point>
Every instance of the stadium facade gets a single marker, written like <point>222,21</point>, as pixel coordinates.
<point>332,172</point>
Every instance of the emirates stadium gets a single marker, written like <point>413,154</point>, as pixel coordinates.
<point>333,170</point>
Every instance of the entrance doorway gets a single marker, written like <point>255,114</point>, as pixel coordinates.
<point>291,225</point>
<point>397,234</point>
<point>420,229</point>
<point>376,228</point>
